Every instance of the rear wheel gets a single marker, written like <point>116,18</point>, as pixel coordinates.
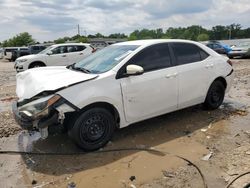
<point>92,129</point>
<point>215,95</point>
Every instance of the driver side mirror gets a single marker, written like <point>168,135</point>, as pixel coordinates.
<point>134,70</point>
<point>49,53</point>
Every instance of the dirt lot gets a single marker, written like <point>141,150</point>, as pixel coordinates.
<point>191,133</point>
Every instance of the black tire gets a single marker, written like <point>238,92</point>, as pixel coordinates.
<point>92,129</point>
<point>36,65</point>
<point>215,95</point>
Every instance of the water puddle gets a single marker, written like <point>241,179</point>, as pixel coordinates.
<point>5,106</point>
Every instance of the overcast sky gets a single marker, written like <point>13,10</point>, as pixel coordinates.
<point>48,20</point>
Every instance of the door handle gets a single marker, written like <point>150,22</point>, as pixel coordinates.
<point>175,74</point>
<point>210,66</point>
<point>64,56</point>
<point>207,66</point>
<point>80,53</point>
<point>171,75</point>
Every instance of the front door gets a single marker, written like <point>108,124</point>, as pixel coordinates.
<point>156,91</point>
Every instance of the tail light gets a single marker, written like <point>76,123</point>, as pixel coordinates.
<point>230,62</point>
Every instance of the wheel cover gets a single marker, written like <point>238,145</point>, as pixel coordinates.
<point>94,129</point>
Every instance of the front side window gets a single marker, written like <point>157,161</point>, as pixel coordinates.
<point>153,58</point>
<point>60,50</point>
<point>188,53</point>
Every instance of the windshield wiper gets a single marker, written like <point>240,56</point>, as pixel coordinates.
<point>83,69</point>
<point>78,68</point>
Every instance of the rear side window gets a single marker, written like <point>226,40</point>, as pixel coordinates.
<point>153,58</point>
<point>188,53</point>
<point>80,48</point>
<point>204,55</point>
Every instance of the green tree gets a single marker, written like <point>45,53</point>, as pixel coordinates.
<point>203,37</point>
<point>60,41</point>
<point>22,39</point>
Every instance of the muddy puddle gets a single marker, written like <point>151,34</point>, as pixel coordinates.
<point>5,103</point>
<point>190,133</point>
<point>5,106</point>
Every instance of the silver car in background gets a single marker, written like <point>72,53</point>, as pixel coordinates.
<point>242,51</point>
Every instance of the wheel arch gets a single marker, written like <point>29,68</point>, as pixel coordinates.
<point>111,108</point>
<point>221,79</point>
<point>38,62</point>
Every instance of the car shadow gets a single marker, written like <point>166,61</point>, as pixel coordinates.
<point>149,133</point>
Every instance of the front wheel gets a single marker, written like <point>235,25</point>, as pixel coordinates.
<point>92,129</point>
<point>36,65</point>
<point>215,95</point>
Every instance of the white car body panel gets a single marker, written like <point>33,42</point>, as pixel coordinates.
<point>135,98</point>
<point>33,82</point>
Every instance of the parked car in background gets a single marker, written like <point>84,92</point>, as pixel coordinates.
<point>22,51</point>
<point>8,52</point>
<point>218,47</point>
<point>1,53</point>
<point>19,52</point>
<point>119,85</point>
<point>55,55</point>
<point>242,50</point>
<point>35,49</point>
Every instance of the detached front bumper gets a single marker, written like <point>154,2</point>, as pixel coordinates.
<point>29,123</point>
<point>50,116</point>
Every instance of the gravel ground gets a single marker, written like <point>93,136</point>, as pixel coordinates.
<point>8,125</point>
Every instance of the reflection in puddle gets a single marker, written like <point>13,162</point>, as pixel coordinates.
<point>5,106</point>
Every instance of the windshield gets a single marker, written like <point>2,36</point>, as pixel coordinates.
<point>46,50</point>
<point>105,59</point>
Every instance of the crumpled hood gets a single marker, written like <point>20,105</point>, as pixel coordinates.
<point>37,80</point>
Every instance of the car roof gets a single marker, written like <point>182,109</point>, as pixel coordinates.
<point>152,41</point>
<point>68,44</point>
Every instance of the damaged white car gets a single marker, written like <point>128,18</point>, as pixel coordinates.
<point>119,85</point>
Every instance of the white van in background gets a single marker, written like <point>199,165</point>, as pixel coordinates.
<point>1,53</point>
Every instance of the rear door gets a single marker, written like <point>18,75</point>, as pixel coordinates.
<point>193,71</point>
<point>154,92</point>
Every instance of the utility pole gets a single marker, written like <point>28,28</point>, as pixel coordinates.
<point>78,29</point>
<point>230,33</point>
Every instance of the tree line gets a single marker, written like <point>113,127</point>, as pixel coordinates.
<point>194,32</point>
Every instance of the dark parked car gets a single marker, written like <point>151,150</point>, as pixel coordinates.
<point>22,51</point>
<point>218,47</point>
<point>35,49</point>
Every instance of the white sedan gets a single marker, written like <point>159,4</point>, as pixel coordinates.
<point>119,85</point>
